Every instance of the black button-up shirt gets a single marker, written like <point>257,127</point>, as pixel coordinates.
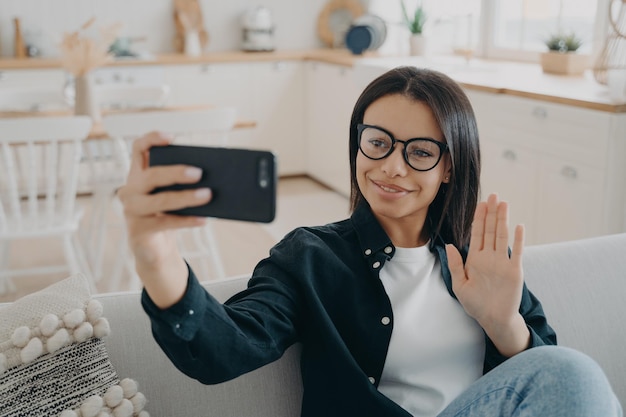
<point>320,286</point>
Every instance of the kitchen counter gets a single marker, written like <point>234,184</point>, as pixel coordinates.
<point>511,78</point>
<point>518,79</point>
<point>335,56</point>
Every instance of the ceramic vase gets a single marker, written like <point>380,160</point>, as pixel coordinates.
<point>193,46</point>
<point>86,102</point>
<point>417,44</point>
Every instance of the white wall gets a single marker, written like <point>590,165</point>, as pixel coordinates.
<point>46,20</point>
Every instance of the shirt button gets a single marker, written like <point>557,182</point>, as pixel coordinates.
<point>376,265</point>
<point>388,249</point>
<point>372,380</point>
<point>368,252</point>
<point>385,320</point>
<point>191,312</point>
<point>177,325</point>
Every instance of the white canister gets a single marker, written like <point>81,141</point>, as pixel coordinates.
<point>616,82</point>
<point>193,47</point>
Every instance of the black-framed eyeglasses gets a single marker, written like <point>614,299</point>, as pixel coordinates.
<point>421,154</point>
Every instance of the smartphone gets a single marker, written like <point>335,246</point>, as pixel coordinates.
<point>243,181</point>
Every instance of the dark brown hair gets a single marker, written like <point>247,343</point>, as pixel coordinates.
<point>450,214</point>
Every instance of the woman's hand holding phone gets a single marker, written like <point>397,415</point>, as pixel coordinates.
<point>151,231</point>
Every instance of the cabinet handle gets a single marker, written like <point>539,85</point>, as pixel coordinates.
<point>540,112</point>
<point>280,65</point>
<point>205,68</point>
<point>510,155</point>
<point>2,75</point>
<point>569,172</point>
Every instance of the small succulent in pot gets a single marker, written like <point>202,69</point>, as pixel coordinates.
<point>563,43</point>
<point>414,23</point>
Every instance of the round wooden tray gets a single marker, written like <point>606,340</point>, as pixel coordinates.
<point>335,8</point>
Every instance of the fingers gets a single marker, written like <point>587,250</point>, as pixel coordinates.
<point>163,175</point>
<point>491,222</point>
<point>502,228</point>
<point>142,180</point>
<point>170,221</point>
<point>518,245</point>
<point>149,204</point>
<point>490,228</point>
<point>141,146</point>
<point>478,227</point>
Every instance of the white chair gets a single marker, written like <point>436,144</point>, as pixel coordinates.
<point>206,127</point>
<point>115,96</point>
<point>39,160</point>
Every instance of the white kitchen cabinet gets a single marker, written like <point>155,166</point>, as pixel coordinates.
<point>560,167</point>
<point>226,84</point>
<point>46,78</point>
<point>268,93</point>
<point>220,84</point>
<point>278,108</point>
<point>331,94</point>
<point>33,89</point>
<point>511,172</point>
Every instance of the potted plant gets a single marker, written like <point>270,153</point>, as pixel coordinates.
<point>415,23</point>
<point>562,56</point>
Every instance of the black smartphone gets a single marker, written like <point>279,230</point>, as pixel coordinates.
<point>243,181</point>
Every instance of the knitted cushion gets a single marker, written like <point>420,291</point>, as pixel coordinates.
<point>53,361</point>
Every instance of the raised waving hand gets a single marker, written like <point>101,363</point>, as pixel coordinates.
<point>489,286</point>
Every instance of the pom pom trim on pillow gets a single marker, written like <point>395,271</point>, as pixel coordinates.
<point>118,401</point>
<point>52,333</point>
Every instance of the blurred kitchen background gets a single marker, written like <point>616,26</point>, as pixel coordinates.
<point>552,123</point>
<point>518,23</point>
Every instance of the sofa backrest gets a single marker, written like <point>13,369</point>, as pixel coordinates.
<point>581,285</point>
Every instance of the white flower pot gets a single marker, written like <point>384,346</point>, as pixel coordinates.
<point>418,44</point>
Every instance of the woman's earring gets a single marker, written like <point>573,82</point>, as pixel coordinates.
<point>446,178</point>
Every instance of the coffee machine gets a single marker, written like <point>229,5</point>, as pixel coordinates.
<point>258,29</point>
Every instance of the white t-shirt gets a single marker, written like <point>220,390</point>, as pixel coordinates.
<point>436,349</point>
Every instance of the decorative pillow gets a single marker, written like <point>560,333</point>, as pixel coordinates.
<point>53,361</point>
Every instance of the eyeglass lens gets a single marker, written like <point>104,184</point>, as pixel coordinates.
<point>421,154</point>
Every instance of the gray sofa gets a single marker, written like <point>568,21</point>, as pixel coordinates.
<point>582,285</point>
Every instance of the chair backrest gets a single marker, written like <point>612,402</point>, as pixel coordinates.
<point>208,127</point>
<point>131,96</point>
<point>31,99</point>
<point>218,120</point>
<point>39,159</point>
<point>108,161</point>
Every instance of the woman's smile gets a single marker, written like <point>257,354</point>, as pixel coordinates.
<point>390,188</point>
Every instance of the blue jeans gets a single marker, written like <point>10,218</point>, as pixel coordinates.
<point>540,382</point>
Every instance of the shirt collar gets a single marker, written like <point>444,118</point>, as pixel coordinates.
<point>372,237</point>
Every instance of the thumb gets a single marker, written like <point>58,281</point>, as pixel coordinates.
<point>455,264</point>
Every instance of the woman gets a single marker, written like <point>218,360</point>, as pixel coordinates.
<point>401,308</point>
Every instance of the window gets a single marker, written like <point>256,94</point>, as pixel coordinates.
<point>502,29</point>
<point>518,28</point>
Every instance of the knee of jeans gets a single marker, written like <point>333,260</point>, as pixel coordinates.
<point>568,366</point>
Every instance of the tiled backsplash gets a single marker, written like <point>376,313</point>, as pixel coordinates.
<point>44,21</point>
